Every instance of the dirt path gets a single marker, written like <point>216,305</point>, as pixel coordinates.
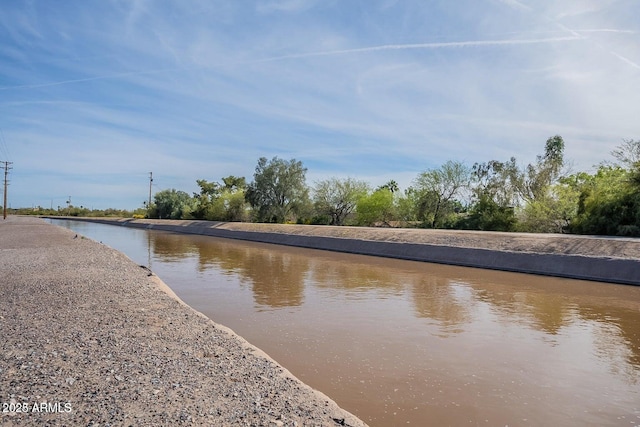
<point>89,338</point>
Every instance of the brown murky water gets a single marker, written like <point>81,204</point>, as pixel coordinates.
<point>409,343</point>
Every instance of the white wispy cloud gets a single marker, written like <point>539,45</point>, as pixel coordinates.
<point>441,45</point>
<point>284,5</point>
<point>112,90</point>
<point>515,4</point>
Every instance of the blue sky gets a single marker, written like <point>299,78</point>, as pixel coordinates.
<point>95,94</point>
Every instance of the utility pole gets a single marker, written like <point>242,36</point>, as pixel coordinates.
<point>6,182</point>
<point>150,184</point>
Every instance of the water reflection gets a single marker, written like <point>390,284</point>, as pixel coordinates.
<point>401,342</point>
<point>618,338</point>
<point>349,275</point>
<point>277,278</point>
<point>548,312</point>
<point>447,302</point>
<point>560,304</point>
<point>172,247</point>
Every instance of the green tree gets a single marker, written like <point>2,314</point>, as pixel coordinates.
<point>554,211</point>
<point>407,205</point>
<point>609,200</point>
<point>437,189</point>
<point>391,185</point>
<point>549,204</point>
<point>486,214</point>
<point>609,203</point>
<point>279,190</point>
<point>209,193</point>
<point>533,182</point>
<point>230,206</point>
<point>211,189</point>
<point>337,198</point>
<point>377,207</point>
<point>217,202</point>
<point>494,196</point>
<point>627,154</point>
<point>173,204</point>
<point>634,177</point>
<point>233,183</point>
<point>493,182</point>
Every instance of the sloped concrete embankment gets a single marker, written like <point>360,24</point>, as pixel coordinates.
<point>547,255</point>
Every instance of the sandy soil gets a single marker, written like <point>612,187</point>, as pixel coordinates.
<point>90,338</point>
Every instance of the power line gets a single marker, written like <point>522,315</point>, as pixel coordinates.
<point>6,183</point>
<point>150,184</point>
<point>3,146</point>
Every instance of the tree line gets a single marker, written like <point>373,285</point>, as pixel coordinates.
<point>498,195</point>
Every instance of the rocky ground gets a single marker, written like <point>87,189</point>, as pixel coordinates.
<point>88,338</point>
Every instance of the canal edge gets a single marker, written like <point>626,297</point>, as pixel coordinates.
<point>593,268</point>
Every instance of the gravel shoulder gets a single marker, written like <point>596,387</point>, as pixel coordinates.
<point>90,338</point>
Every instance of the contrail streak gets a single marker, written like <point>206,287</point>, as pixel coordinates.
<point>576,33</point>
<point>472,43</point>
<point>607,30</point>
<point>87,79</point>
<point>627,60</point>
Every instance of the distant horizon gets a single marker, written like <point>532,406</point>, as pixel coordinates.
<point>95,95</point>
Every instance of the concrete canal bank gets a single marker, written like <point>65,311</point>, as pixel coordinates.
<point>91,338</point>
<point>604,259</point>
